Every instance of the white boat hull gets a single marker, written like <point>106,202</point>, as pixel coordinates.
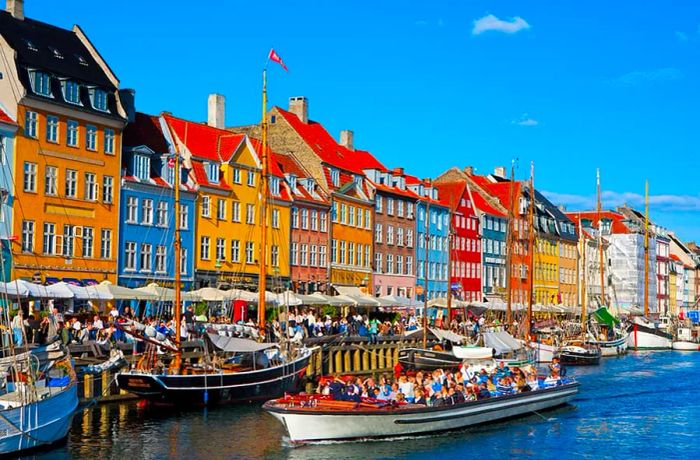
<point>304,427</point>
<point>640,340</point>
<point>617,347</point>
<point>682,345</point>
<point>38,424</point>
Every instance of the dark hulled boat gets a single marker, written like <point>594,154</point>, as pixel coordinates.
<point>427,360</point>
<point>574,355</point>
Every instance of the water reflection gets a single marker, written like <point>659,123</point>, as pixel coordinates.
<point>626,406</point>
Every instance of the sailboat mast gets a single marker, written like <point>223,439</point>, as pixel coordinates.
<point>263,210</point>
<point>509,249</point>
<point>531,244</point>
<point>176,265</point>
<point>425,266</point>
<point>584,294</point>
<point>646,248</point>
<point>600,241</point>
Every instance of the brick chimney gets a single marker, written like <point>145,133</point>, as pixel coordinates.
<point>299,106</point>
<point>500,171</point>
<point>215,111</point>
<point>397,171</point>
<point>15,8</point>
<point>469,170</point>
<point>346,139</point>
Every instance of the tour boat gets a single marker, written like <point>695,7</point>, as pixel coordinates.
<point>576,355</point>
<point>645,335</point>
<point>39,398</point>
<point>314,418</point>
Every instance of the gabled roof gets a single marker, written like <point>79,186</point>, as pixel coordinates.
<point>204,141</point>
<point>327,149</point>
<point>451,192</point>
<point>617,219</point>
<point>483,205</point>
<point>146,131</point>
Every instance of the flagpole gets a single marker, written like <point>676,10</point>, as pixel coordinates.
<point>263,209</point>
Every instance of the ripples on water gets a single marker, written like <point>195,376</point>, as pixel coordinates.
<point>640,405</point>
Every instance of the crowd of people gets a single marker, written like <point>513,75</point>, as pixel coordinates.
<point>441,387</point>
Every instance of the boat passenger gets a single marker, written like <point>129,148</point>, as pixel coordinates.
<point>419,397</point>
<point>483,392</point>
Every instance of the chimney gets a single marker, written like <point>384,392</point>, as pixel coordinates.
<point>500,171</point>
<point>469,170</point>
<point>127,97</point>
<point>299,106</point>
<point>397,171</point>
<point>346,139</point>
<point>15,8</point>
<point>215,110</point>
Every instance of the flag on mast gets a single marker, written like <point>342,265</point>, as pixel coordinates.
<point>274,57</point>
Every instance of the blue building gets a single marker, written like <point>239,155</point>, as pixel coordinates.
<point>7,136</point>
<point>147,209</point>
<point>437,251</point>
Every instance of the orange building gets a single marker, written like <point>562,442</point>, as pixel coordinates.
<point>67,154</point>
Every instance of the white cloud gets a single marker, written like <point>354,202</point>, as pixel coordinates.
<point>612,199</point>
<point>491,22</point>
<point>525,120</point>
<point>649,77</point>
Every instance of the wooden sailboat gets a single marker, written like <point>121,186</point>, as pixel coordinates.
<point>644,334</point>
<point>241,369</point>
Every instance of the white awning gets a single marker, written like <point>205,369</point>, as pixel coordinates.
<point>238,345</point>
<point>449,335</point>
<point>83,292</point>
<point>501,341</point>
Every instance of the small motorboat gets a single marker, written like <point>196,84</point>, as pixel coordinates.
<point>315,418</point>
<point>685,341</point>
<point>576,355</point>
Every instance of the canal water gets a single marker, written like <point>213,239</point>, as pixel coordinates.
<point>640,405</point>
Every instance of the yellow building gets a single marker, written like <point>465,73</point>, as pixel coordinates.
<point>546,276</point>
<point>226,170</point>
<point>351,240</point>
<point>67,152</point>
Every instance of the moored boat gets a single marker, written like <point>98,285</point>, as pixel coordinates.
<point>312,418</point>
<point>428,360</point>
<point>645,335</point>
<point>576,355</point>
<point>685,341</point>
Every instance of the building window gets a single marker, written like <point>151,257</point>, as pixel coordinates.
<point>378,263</point>
<point>27,236</point>
<point>130,258</point>
<point>68,240</point>
<point>204,248</point>
<point>409,238</point>
<point>274,186</point>
<point>235,251</point>
<point>399,265</point>
<point>52,129</point>
<point>88,241</point>
<point>183,261</point>
<point>49,238</point>
<point>132,204</point>
<point>251,178</point>
<point>161,264</point>
<point>146,263</point>
<point>335,177</point>
<point>295,217</point>
<point>221,209</point>
<point>389,234</point>
<point>343,213</point>
<point>30,124</point>
<point>72,133</point>
<point>91,138</point>
<point>220,249</point>
<point>351,252</point>
<point>378,205</point>
<point>368,219</point>
<point>390,206</point>
<point>109,141</point>
<point>162,214</point>
<point>212,172</point>
<point>236,175</point>
<point>334,250</point>
<point>399,236</point>
<point>236,211</point>
<point>390,264</point>
<point>249,252</point>
<point>275,218</point>
<point>409,265</point>
<point>275,255</point>
<point>29,177</point>
<point>99,99</point>
<point>409,210</point>
<point>324,221</point>
<point>71,91</point>
<point>322,257</point>
<point>378,233</point>
<point>41,83</point>
<point>107,189</point>
<point>184,217</point>
<point>147,212</point>
<point>305,219</point>
<point>314,220</point>
<point>294,248</point>
<point>249,214</point>
<point>206,206</point>
<point>90,187</point>
<point>313,255</point>
<point>106,243</point>
<point>304,254</point>
<point>142,167</point>
<point>399,208</point>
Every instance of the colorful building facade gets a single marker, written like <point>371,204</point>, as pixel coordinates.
<point>8,128</point>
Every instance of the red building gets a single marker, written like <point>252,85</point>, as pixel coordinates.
<point>465,248</point>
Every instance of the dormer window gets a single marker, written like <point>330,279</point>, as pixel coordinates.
<point>605,226</point>
<point>169,173</point>
<point>335,177</point>
<point>275,185</point>
<point>71,91</point>
<point>98,97</point>
<point>56,53</point>
<point>212,172</point>
<point>292,181</point>
<point>142,167</point>
<point>357,179</point>
<point>41,83</point>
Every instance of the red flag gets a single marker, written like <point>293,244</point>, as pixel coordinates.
<point>274,57</point>
<point>171,162</point>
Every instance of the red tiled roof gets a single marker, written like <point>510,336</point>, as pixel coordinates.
<point>200,176</point>
<point>395,190</point>
<point>204,141</point>
<point>5,118</point>
<point>502,191</point>
<point>145,130</point>
<point>451,192</point>
<point>273,166</point>
<point>288,165</point>
<point>618,226</point>
<point>676,258</point>
<point>328,150</point>
<point>483,205</point>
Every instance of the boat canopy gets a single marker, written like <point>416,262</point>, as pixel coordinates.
<point>501,341</point>
<point>238,345</point>
<point>449,336</point>
<point>603,316</point>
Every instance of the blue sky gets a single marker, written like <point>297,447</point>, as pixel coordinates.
<point>569,85</point>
